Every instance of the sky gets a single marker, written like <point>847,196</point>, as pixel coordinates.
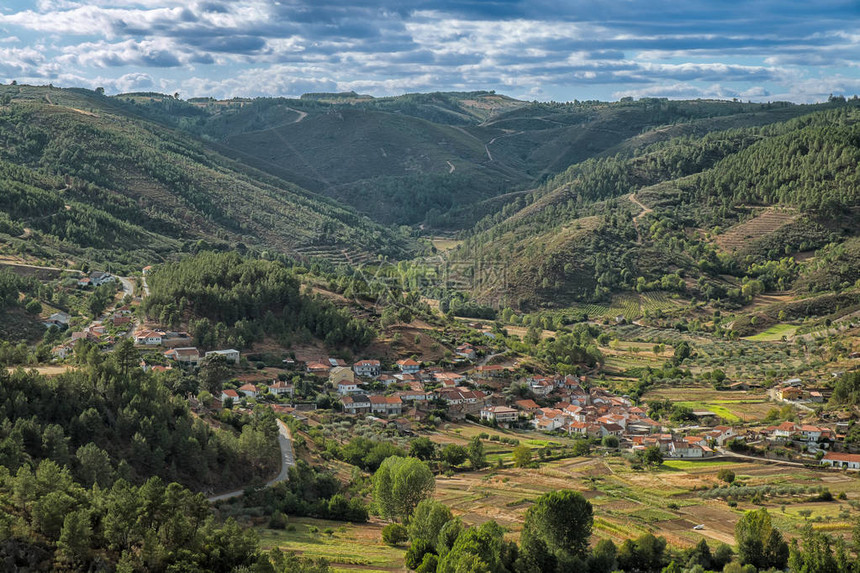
<point>561,50</point>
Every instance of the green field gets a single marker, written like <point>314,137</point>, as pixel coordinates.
<point>347,546</point>
<point>774,333</point>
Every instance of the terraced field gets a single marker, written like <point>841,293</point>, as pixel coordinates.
<point>768,221</point>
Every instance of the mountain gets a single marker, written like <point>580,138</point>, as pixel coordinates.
<point>84,177</point>
<point>441,160</point>
<point>699,215</point>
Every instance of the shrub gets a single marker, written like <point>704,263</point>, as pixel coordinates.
<point>394,534</point>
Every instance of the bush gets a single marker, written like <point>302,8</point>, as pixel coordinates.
<point>394,534</point>
<point>726,475</point>
<point>278,520</point>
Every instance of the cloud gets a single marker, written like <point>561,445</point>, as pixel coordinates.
<point>557,50</point>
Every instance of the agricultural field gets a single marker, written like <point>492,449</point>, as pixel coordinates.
<point>664,501</point>
<point>733,406</point>
<point>774,333</point>
<point>347,547</point>
<point>739,236</point>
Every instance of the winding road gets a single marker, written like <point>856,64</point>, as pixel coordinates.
<point>287,461</point>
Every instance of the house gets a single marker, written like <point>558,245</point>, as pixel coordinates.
<point>148,337</point>
<point>61,351</point>
<point>685,450</point>
<point>386,405</point>
<point>611,429</point>
<point>499,414</point>
<point>340,374</point>
<point>356,404</point>
<point>815,396</point>
<point>839,460</point>
<point>188,355</point>
<point>317,368</point>
<point>280,388</point>
<point>249,390</point>
<point>466,351</point>
<point>335,362</point>
<point>408,366</point>
<point>230,354</point>
<point>490,371</point>
<point>785,431</point>
<point>449,379</point>
<point>412,395</point>
<point>542,387</point>
<point>98,278</point>
<point>84,282</point>
<point>232,394</point>
<point>546,424</point>
<point>147,269</point>
<point>790,393</point>
<point>58,319</point>
<point>810,433</point>
<point>346,387</point>
<point>367,368</point>
<point>528,406</point>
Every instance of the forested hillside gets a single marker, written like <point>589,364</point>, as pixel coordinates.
<point>438,159</point>
<point>86,177</point>
<point>225,299</point>
<point>583,235</point>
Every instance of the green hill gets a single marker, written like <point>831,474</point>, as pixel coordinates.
<point>581,237</point>
<point>89,178</point>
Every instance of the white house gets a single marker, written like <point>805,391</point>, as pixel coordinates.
<point>347,387</point>
<point>685,450</point>
<point>98,278</point>
<point>189,355</point>
<point>845,461</point>
<point>280,387</point>
<point>232,394</point>
<point>367,368</point>
<point>249,390</point>
<point>501,414</point>
<point>467,351</point>
<point>58,319</point>
<point>230,354</point>
<point>409,366</point>
<point>386,405</point>
<point>356,404</point>
<point>149,337</point>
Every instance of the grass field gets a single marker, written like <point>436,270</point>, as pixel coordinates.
<point>347,546</point>
<point>774,333</point>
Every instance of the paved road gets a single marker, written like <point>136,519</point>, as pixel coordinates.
<point>287,461</point>
<point>127,286</point>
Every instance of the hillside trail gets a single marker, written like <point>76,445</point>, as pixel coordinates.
<point>645,211</point>
<point>302,114</point>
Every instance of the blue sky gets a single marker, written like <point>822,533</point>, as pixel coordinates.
<point>531,49</point>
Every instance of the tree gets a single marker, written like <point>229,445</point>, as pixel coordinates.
<point>726,475</point>
<point>213,373</point>
<point>427,521</point>
<point>603,557</point>
<point>610,441</point>
<point>74,542</point>
<point>394,534</point>
<point>759,543</point>
<point>453,454</point>
<point>126,356</point>
<point>400,484</point>
<point>422,448</point>
<point>94,466</point>
<point>562,521</point>
<point>480,549</point>
<point>522,456</point>
<point>651,456</point>
<point>477,457</point>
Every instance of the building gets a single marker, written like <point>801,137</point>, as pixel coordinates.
<point>367,368</point>
<point>409,366</point>
<point>98,278</point>
<point>466,351</point>
<point>249,390</point>
<point>188,355</point>
<point>280,388</point>
<point>232,394</point>
<point>346,387</point>
<point>318,368</point>
<point>386,405</point>
<point>790,393</point>
<point>340,374</point>
<point>499,414</point>
<point>685,450</point>
<point>356,404</point>
<point>838,460</point>
<point>58,319</point>
<point>148,337</point>
<point>230,354</point>
<point>528,406</point>
<point>61,351</point>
